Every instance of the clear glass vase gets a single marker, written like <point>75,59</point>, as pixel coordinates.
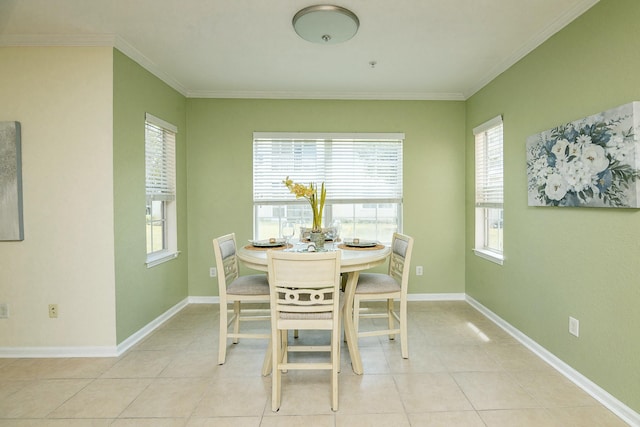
<point>317,238</point>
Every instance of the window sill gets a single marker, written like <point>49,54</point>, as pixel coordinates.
<point>160,258</point>
<point>490,256</point>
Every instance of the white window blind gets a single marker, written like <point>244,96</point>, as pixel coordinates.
<point>489,164</point>
<point>160,159</point>
<point>354,167</point>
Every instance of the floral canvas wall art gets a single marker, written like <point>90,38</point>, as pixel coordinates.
<point>592,162</point>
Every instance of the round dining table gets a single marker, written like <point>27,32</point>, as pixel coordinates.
<point>352,262</point>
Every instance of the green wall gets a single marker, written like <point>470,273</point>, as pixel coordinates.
<point>220,174</point>
<point>561,262</point>
<point>143,294</point>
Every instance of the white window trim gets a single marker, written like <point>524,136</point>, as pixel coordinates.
<point>490,256</point>
<point>482,252</point>
<point>172,251</point>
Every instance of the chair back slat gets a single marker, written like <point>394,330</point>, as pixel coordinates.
<point>400,259</point>
<point>304,282</point>
<point>224,248</point>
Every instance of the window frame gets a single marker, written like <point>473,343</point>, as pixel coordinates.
<point>489,190</point>
<point>161,188</point>
<point>268,192</point>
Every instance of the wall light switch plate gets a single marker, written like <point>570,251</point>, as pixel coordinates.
<point>574,326</point>
<point>213,272</point>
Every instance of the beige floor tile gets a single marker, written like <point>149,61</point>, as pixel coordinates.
<point>552,389</point>
<point>235,396</point>
<point>7,361</point>
<point>515,357</point>
<point>167,397</point>
<point>51,368</point>
<point>494,390</point>
<point>468,358</point>
<point>9,387</point>
<point>373,359</point>
<point>519,417</point>
<point>362,394</point>
<point>369,420</point>
<point>168,339</point>
<point>225,422</point>
<point>27,369</point>
<point>140,364</point>
<point>245,361</point>
<point>56,423</point>
<point>79,367</point>
<point>298,421</point>
<point>593,416</point>
<point>103,398</point>
<point>304,393</point>
<point>149,422</point>
<point>192,364</point>
<point>420,361</point>
<point>446,419</point>
<point>431,392</point>
<point>39,398</point>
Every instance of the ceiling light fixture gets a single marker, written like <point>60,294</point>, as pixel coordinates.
<point>326,24</point>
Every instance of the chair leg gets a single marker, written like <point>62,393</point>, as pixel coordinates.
<point>404,338</point>
<point>222,340</point>
<point>236,323</point>
<point>285,347</point>
<point>276,375</point>
<point>356,314</point>
<point>390,318</point>
<point>335,367</point>
<point>266,365</point>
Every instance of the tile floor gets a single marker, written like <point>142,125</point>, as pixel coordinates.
<point>463,371</point>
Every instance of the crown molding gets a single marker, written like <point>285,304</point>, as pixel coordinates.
<point>57,40</point>
<point>125,47</point>
<point>380,96</point>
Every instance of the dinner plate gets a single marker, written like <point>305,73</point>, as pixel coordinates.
<point>267,243</point>
<point>361,243</point>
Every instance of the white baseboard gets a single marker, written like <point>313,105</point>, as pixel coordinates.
<point>51,352</point>
<point>204,300</point>
<point>614,405</point>
<point>436,297</point>
<point>150,327</point>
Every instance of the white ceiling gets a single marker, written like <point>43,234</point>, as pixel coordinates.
<point>424,49</point>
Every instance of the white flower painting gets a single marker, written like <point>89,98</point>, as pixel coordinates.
<point>593,162</point>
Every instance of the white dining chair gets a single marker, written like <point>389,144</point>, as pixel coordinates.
<point>305,295</point>
<point>387,287</point>
<point>237,290</point>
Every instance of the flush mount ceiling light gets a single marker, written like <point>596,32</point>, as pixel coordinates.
<point>326,24</point>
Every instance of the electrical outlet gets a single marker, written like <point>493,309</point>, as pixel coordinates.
<point>419,270</point>
<point>213,272</point>
<point>53,311</point>
<point>4,311</point>
<point>574,326</point>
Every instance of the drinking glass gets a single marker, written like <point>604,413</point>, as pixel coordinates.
<point>288,230</point>
<point>335,225</point>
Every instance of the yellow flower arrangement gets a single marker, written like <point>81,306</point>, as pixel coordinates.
<point>310,193</point>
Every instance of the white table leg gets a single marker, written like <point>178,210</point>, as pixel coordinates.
<point>349,329</point>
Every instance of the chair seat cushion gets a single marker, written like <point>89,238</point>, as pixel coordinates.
<point>375,283</point>
<point>253,284</point>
